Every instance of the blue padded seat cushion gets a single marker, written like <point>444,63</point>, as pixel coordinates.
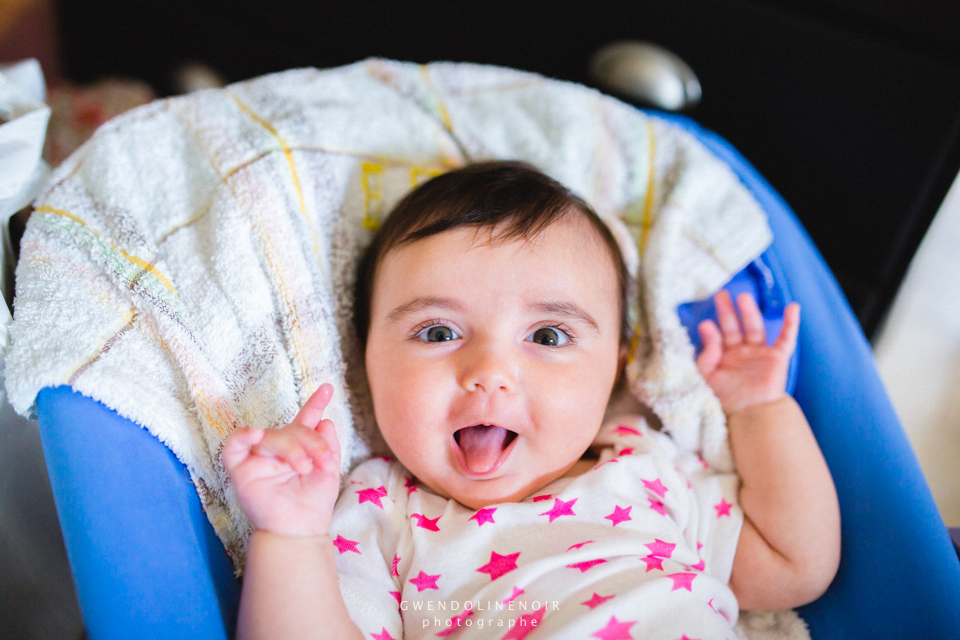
<point>148,565</point>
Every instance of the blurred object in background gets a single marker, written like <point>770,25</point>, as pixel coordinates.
<point>28,30</point>
<point>196,76</point>
<point>646,73</point>
<point>77,111</point>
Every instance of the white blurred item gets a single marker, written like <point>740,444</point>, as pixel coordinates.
<point>918,356</point>
<point>23,126</point>
<point>646,72</point>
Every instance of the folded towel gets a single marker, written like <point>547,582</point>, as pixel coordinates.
<point>191,266</point>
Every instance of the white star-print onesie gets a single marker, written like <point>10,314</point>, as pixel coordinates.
<point>640,546</point>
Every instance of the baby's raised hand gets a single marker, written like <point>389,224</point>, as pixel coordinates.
<point>287,480</point>
<point>736,361</point>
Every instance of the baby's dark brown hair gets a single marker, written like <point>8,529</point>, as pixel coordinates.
<point>512,197</point>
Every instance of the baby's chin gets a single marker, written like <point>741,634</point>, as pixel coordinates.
<point>479,494</point>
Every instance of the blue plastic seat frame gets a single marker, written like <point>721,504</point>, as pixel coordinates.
<point>148,565</point>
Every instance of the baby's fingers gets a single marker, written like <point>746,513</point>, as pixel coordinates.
<point>753,329</point>
<point>712,351</point>
<point>311,413</point>
<point>787,340</point>
<point>237,447</point>
<point>286,447</point>
<point>323,447</point>
<point>727,318</point>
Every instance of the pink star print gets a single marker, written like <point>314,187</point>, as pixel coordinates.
<point>396,594</point>
<point>426,523</point>
<point>560,508</point>
<point>372,495</point>
<point>653,562</point>
<point>723,508</point>
<point>525,624</point>
<point>513,596</point>
<point>393,565</point>
<point>686,638</point>
<point>483,516</point>
<point>596,600</point>
<point>544,497</point>
<point>499,564</point>
<point>700,566</point>
<point>660,548</point>
<point>682,581</point>
<point>410,483</point>
<point>578,545</point>
<point>343,545</point>
<point>425,581</point>
<point>615,630</point>
<point>619,515</point>
<point>583,566</point>
<point>625,452</point>
<point>624,430</point>
<point>656,486</point>
<point>383,635</point>
<point>657,506</point>
<point>456,622</point>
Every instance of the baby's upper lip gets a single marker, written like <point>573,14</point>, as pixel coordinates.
<point>503,424</point>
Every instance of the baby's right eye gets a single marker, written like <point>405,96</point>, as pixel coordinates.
<point>436,333</point>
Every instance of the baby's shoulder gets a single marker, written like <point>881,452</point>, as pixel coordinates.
<point>634,433</point>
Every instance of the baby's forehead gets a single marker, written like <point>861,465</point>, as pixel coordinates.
<point>565,253</point>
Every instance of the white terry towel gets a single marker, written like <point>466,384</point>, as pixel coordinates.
<point>191,266</point>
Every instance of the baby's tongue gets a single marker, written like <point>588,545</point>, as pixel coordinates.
<point>481,446</point>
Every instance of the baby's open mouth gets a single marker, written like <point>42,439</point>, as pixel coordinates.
<point>483,446</point>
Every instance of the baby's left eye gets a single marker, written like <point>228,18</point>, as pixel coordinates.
<point>549,337</point>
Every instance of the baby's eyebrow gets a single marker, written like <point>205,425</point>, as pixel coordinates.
<point>565,309</point>
<point>418,304</point>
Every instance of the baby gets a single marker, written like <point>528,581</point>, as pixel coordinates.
<point>492,307</point>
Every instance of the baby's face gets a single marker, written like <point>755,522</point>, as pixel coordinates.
<point>491,364</point>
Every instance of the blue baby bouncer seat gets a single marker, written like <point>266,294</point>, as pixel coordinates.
<point>148,564</point>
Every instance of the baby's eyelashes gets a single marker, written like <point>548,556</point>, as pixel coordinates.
<point>551,336</point>
<point>435,333</point>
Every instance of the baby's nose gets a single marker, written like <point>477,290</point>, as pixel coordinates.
<point>489,368</point>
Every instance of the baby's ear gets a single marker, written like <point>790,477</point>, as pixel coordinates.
<point>622,359</point>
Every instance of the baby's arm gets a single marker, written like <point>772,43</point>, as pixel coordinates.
<point>789,548</point>
<point>287,481</point>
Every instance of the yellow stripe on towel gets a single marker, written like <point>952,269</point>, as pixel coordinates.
<point>293,167</point>
<point>441,108</point>
<point>143,264</point>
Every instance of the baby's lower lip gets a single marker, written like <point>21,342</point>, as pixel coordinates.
<point>461,460</point>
